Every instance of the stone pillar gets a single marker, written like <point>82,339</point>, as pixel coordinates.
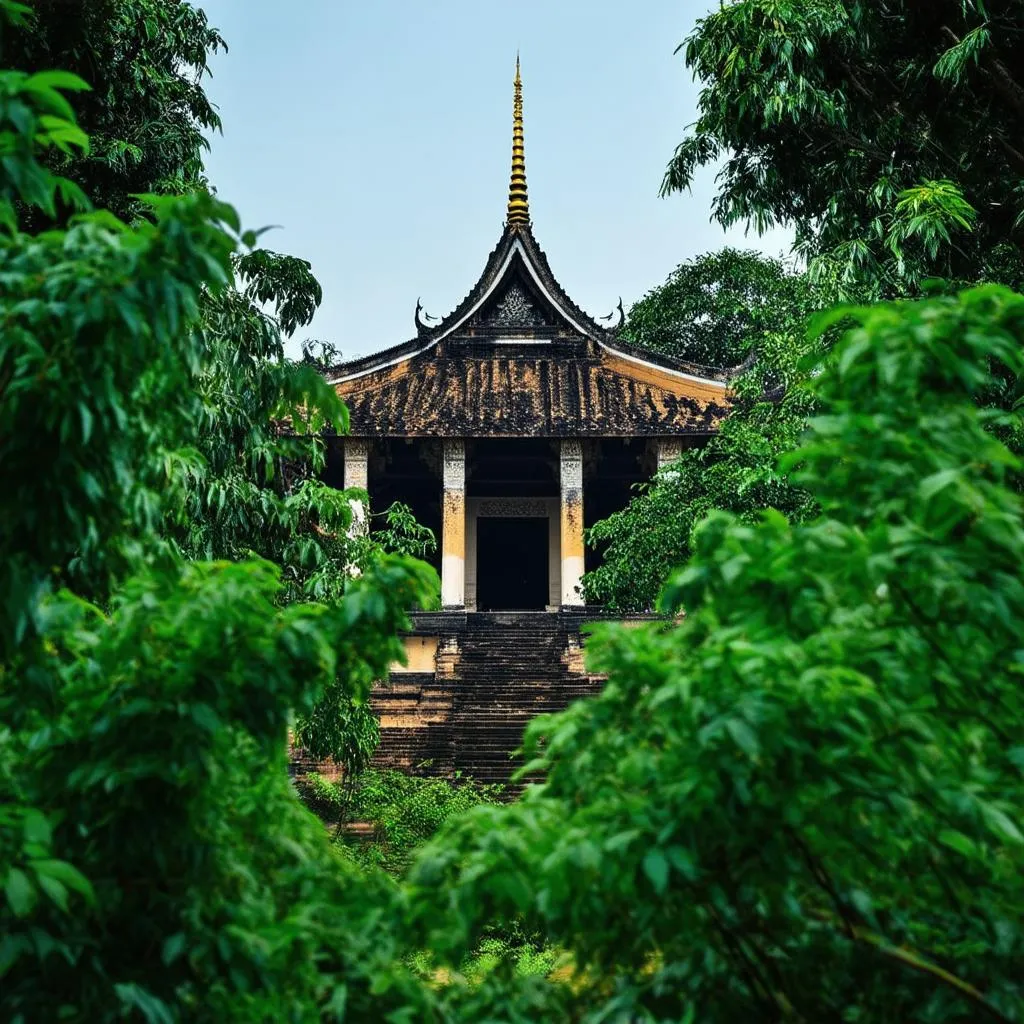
<point>571,466</point>
<point>669,449</point>
<point>357,457</point>
<point>453,525</point>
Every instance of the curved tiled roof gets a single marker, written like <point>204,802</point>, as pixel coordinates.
<point>530,396</point>
<point>540,367</point>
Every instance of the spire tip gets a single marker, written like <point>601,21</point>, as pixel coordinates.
<point>518,201</point>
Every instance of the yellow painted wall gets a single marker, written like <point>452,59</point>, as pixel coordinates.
<point>420,654</point>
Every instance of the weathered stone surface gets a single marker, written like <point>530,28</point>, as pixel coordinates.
<point>496,672</point>
<point>453,531</point>
<point>595,396</point>
<point>420,655</point>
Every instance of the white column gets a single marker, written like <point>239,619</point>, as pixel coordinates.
<point>453,525</point>
<point>571,464</point>
<point>357,456</point>
<point>669,450</point>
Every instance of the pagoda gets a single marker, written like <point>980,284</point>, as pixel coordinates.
<point>508,426</point>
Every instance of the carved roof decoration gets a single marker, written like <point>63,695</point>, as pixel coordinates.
<point>515,309</point>
<point>517,258</point>
<point>517,357</point>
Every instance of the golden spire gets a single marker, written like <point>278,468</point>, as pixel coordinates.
<point>518,202</point>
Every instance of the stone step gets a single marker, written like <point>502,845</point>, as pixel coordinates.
<point>511,667</point>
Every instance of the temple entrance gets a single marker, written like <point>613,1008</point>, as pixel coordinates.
<point>512,563</point>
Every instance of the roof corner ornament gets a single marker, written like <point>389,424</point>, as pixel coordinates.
<point>614,328</point>
<point>422,326</point>
<point>518,214</point>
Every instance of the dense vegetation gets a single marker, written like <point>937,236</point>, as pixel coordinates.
<point>145,112</point>
<point>154,858</point>
<point>801,802</point>
<point>804,801</point>
<point>400,812</point>
<point>732,309</point>
<point>887,134</point>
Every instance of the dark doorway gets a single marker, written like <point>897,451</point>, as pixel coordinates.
<point>511,564</point>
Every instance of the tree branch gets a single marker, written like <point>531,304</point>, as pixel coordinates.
<point>998,74</point>
<point>749,967</point>
<point>910,959</point>
<point>821,876</point>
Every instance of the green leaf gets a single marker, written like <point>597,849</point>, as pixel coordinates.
<point>959,842</point>
<point>656,868</point>
<point>682,860</point>
<point>743,736</point>
<point>20,893</point>
<point>37,828</point>
<point>153,1010</point>
<point>174,947</point>
<point>205,717</point>
<point>67,875</point>
<point>57,80</point>
<point>57,893</point>
<point>931,485</point>
<point>1000,823</point>
<point>85,414</point>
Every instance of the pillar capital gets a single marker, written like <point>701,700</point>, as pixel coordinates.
<point>357,457</point>
<point>453,464</point>
<point>357,474</point>
<point>669,450</point>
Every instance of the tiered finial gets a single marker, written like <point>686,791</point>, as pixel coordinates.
<point>518,201</point>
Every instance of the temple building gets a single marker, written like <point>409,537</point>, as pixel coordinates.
<point>509,426</point>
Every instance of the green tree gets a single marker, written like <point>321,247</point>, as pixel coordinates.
<point>146,114</point>
<point>243,485</point>
<point>722,308</point>
<point>249,483</point>
<point>886,134</point>
<point>804,801</point>
<point>154,861</point>
<point>713,309</point>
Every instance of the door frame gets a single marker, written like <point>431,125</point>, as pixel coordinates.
<point>514,508</point>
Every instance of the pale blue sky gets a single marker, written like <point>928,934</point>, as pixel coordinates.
<point>378,135</point>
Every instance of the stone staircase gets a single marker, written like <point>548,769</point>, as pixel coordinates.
<point>512,667</point>
<point>496,672</point>
<point>415,724</point>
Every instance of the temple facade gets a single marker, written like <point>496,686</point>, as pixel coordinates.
<point>508,426</point>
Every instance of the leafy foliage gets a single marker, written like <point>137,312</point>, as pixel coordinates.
<point>885,134</point>
<point>404,535</point>
<point>403,811</point>
<point>159,761</point>
<point>76,399</point>
<point>220,493</point>
<point>721,307</point>
<point>713,310</point>
<point>804,802</point>
<point>153,858</point>
<point>146,114</point>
